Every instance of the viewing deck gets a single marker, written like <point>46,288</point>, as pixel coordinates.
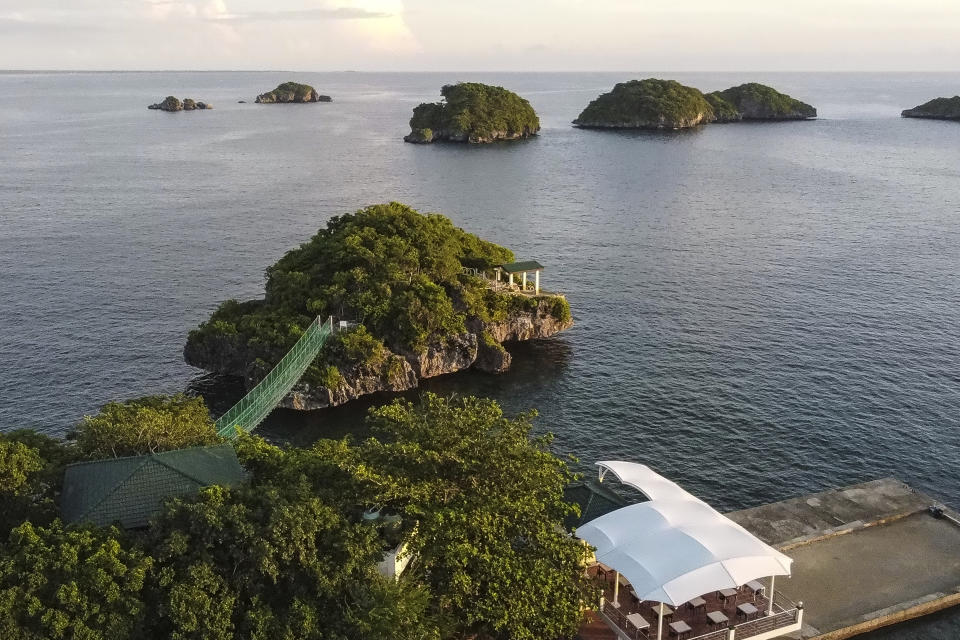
<point>865,556</point>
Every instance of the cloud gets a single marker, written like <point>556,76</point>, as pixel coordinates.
<point>339,13</point>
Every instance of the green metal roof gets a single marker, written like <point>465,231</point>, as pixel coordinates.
<point>595,500</point>
<point>131,490</point>
<point>523,265</point>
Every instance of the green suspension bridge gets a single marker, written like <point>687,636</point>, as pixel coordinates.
<point>254,407</point>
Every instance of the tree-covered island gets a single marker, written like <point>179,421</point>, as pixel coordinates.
<point>411,286</point>
<point>475,113</point>
<point>295,550</point>
<point>667,104</point>
<point>292,92</point>
<point>936,109</point>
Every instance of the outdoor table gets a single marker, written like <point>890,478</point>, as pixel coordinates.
<point>667,611</point>
<point>716,617</point>
<point>746,610</point>
<point>637,620</point>
<point>756,588</point>
<point>697,603</point>
<point>679,628</point>
<point>727,593</point>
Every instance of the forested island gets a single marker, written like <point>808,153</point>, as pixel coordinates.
<point>412,289</point>
<point>667,104</point>
<point>936,109</point>
<point>293,547</point>
<point>292,92</point>
<point>475,113</point>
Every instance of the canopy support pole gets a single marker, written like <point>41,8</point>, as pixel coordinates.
<point>536,281</point>
<point>660,623</point>
<point>616,589</point>
<point>770,597</point>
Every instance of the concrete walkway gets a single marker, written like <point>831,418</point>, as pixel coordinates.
<point>864,556</point>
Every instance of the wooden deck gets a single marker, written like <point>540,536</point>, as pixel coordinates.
<point>595,628</point>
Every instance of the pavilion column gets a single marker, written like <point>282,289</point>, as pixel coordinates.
<point>524,280</point>
<point>660,623</point>
<point>510,276</point>
<point>770,597</point>
<point>536,281</point>
<point>616,589</point>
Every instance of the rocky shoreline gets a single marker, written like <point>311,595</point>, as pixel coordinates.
<point>936,109</point>
<point>480,347</point>
<point>172,104</point>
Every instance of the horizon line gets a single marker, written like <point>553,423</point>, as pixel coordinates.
<point>824,71</point>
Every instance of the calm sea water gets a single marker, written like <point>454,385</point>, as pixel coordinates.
<point>762,310</point>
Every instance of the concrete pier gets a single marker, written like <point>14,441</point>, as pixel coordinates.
<point>865,556</point>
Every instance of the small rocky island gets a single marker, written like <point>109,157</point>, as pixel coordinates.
<point>936,109</point>
<point>418,296</point>
<point>667,104</point>
<point>172,103</point>
<point>292,92</point>
<point>475,113</point>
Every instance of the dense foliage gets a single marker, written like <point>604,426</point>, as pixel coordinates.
<point>292,92</point>
<point>146,425</point>
<point>667,104</point>
<point>756,101</point>
<point>649,103</point>
<point>474,112</point>
<point>288,556</point>
<point>396,272</point>
<point>947,108</point>
<point>723,111</point>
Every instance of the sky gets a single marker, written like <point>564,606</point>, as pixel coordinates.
<point>489,35</point>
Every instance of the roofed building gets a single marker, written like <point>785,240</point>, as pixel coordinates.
<point>132,490</point>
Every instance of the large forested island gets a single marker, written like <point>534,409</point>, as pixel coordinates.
<point>667,104</point>
<point>292,92</point>
<point>293,545</point>
<point>405,279</point>
<point>475,113</point>
<point>936,109</point>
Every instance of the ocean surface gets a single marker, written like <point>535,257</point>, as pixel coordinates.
<point>762,310</point>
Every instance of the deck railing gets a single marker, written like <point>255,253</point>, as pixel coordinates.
<point>766,623</point>
<point>719,634</point>
<point>785,614</point>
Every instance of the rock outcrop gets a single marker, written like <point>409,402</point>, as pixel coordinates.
<point>292,92</point>
<point>754,101</point>
<point>647,104</point>
<point>474,113</point>
<point>936,109</point>
<point>667,104</point>
<point>480,347</point>
<point>172,103</point>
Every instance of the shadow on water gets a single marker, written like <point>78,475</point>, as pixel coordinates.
<point>536,367</point>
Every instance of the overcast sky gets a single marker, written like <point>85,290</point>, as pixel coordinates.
<point>321,35</point>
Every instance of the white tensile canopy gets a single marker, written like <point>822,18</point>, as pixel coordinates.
<point>676,547</point>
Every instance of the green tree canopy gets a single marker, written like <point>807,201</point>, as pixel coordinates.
<point>474,112</point>
<point>31,475</point>
<point>276,562</point>
<point>487,498</point>
<point>70,584</point>
<point>146,425</point>
<point>397,272</point>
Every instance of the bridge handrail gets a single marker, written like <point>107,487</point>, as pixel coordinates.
<point>254,407</point>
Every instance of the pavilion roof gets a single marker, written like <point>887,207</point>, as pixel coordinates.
<point>676,547</point>
<point>523,265</point>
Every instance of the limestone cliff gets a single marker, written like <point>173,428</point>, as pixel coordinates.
<point>480,347</point>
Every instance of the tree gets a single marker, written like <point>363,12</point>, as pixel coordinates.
<point>31,474</point>
<point>146,425</point>
<point>488,501</point>
<point>275,562</point>
<point>75,584</point>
